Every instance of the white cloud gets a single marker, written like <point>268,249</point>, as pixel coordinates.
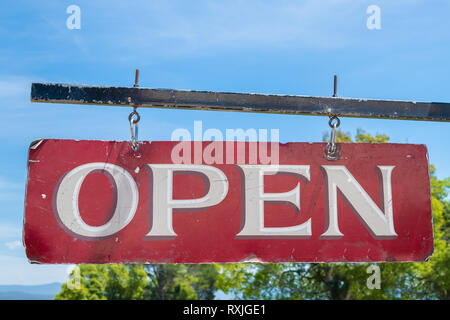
<point>168,28</point>
<point>242,24</point>
<point>13,245</point>
<point>204,27</point>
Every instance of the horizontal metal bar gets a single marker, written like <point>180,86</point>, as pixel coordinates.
<point>244,102</point>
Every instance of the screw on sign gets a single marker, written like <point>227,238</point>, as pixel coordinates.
<point>101,202</point>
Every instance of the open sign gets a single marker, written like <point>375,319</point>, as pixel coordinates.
<point>371,205</point>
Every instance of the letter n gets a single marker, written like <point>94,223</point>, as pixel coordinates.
<point>379,224</point>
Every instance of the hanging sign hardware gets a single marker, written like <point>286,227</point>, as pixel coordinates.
<point>134,118</point>
<point>335,87</point>
<point>136,79</point>
<point>332,150</point>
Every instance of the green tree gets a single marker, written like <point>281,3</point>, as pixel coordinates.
<point>128,282</point>
<point>181,281</point>
<point>104,282</point>
<point>434,276</point>
<point>428,280</point>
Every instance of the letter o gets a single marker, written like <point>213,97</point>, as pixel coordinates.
<point>68,191</point>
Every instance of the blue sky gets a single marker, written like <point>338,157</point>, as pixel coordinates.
<point>280,47</point>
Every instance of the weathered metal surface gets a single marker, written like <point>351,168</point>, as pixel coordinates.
<point>129,212</point>
<point>223,101</point>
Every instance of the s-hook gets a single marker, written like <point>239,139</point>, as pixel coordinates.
<point>134,118</point>
<point>332,150</point>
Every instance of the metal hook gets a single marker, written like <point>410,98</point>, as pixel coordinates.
<point>134,131</point>
<point>336,124</point>
<point>134,118</point>
<point>332,150</point>
<point>136,114</point>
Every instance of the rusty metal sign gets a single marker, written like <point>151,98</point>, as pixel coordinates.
<point>102,202</point>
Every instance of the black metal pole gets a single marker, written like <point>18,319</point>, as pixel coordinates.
<point>243,102</point>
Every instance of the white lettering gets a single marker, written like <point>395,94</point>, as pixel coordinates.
<point>67,193</point>
<point>255,197</point>
<point>164,204</point>
<point>379,223</point>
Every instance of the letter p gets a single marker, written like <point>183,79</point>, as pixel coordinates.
<point>164,204</point>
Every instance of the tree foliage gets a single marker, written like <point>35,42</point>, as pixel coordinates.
<point>131,282</point>
<point>175,282</point>
<point>105,282</point>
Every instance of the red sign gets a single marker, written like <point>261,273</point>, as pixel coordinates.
<point>101,202</point>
